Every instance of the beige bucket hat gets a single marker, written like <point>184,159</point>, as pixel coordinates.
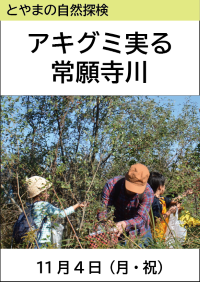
<point>36,185</point>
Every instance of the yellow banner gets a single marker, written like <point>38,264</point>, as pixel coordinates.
<point>102,10</point>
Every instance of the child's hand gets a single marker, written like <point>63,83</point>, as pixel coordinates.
<point>80,205</point>
<point>176,200</point>
<point>179,207</point>
<point>189,192</point>
<point>83,204</point>
<point>172,209</point>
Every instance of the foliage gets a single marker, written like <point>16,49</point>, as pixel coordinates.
<point>79,142</point>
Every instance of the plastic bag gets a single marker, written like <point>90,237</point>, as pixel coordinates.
<point>174,227</point>
<point>57,234</point>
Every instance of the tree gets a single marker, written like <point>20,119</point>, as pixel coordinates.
<point>78,142</point>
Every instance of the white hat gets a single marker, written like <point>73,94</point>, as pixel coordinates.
<point>36,185</point>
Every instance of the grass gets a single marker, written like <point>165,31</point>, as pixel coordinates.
<point>193,238</point>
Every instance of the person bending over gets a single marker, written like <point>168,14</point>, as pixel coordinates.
<point>132,197</point>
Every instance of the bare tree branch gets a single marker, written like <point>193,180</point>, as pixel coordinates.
<point>11,198</point>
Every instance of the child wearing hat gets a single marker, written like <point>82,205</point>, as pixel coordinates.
<point>42,210</point>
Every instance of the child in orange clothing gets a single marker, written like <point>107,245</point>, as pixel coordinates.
<point>160,205</point>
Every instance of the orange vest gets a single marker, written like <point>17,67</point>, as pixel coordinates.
<point>160,224</point>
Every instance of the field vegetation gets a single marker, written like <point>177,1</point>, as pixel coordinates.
<point>79,142</point>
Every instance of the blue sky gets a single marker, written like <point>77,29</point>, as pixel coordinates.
<point>179,100</point>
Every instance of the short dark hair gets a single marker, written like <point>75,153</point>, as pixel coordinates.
<point>156,180</point>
